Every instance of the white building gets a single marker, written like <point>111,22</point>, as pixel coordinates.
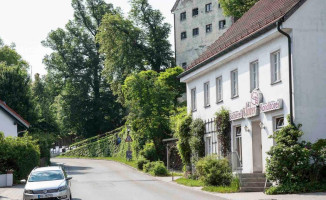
<point>10,121</point>
<point>197,24</point>
<point>251,60</point>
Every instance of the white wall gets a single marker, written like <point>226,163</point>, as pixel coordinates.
<point>7,125</point>
<point>309,67</point>
<point>270,93</point>
<point>189,49</point>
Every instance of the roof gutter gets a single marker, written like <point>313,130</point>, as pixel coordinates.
<point>279,24</point>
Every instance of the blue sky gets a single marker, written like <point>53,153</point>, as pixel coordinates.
<point>27,22</point>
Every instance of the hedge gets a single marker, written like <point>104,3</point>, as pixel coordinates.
<point>20,154</point>
<point>105,147</point>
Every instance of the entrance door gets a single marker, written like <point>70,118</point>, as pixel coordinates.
<point>257,148</point>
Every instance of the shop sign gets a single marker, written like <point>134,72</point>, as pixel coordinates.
<point>256,97</point>
<point>236,115</point>
<point>270,106</point>
<point>250,111</point>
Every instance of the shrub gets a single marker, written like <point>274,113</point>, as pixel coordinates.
<point>156,168</point>
<point>213,171</point>
<point>296,188</point>
<point>183,134</point>
<point>196,142</point>
<point>149,152</point>
<point>20,154</point>
<point>141,162</point>
<point>223,126</point>
<point>318,154</point>
<point>289,160</point>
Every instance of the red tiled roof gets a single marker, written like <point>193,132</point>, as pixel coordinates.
<point>260,16</point>
<point>14,114</point>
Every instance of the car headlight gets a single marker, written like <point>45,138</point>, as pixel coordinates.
<point>28,191</point>
<point>62,188</point>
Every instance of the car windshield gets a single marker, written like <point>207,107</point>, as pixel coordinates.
<point>50,175</point>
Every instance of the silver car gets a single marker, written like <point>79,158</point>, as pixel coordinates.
<point>48,183</point>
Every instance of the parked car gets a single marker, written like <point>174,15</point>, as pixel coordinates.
<point>47,183</point>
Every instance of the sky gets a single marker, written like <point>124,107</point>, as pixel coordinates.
<point>28,22</point>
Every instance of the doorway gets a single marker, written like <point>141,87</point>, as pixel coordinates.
<point>257,148</point>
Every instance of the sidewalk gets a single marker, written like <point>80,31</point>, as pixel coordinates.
<point>12,193</point>
<point>262,196</point>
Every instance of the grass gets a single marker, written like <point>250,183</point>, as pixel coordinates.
<point>190,182</point>
<point>234,187</point>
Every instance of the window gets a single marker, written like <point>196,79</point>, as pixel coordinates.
<point>219,89</point>
<point>195,31</point>
<point>238,143</point>
<point>193,100</point>
<point>206,94</point>
<point>208,7</point>
<point>279,123</point>
<point>234,83</point>
<point>194,12</point>
<point>184,65</point>
<point>275,66</point>
<point>221,24</point>
<point>208,28</point>
<point>254,81</point>
<point>219,5</point>
<point>208,146</point>
<point>183,35</point>
<point>183,16</point>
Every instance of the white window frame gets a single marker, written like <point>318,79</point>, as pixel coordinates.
<point>234,83</point>
<point>220,24</point>
<point>219,89</point>
<point>193,100</point>
<point>193,12</point>
<point>208,145</point>
<point>238,139</point>
<point>276,127</point>
<point>276,66</point>
<point>206,95</point>
<point>254,75</point>
<point>209,5</point>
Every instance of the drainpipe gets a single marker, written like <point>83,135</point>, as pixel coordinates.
<point>279,23</point>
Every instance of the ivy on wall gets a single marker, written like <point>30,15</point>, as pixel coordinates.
<point>224,130</point>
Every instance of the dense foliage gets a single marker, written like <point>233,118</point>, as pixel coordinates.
<point>149,152</point>
<point>141,162</point>
<point>84,103</point>
<point>196,142</point>
<point>20,154</point>
<point>223,128</point>
<point>213,171</point>
<point>149,100</point>
<point>183,134</point>
<point>236,8</point>
<point>156,168</point>
<point>295,165</point>
<point>134,44</point>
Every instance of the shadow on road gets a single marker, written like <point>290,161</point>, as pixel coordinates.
<point>72,170</point>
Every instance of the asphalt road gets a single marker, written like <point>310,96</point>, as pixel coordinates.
<point>105,180</point>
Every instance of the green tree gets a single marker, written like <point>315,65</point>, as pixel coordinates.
<point>158,53</point>
<point>86,103</point>
<point>135,44</point>
<point>236,8</point>
<point>149,101</point>
<point>15,82</point>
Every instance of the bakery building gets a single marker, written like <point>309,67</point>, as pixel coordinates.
<point>269,64</point>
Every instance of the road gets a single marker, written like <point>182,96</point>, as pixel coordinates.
<point>104,180</point>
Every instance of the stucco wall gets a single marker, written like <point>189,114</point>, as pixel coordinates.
<point>190,48</point>
<point>7,125</point>
<point>270,93</point>
<point>309,67</point>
